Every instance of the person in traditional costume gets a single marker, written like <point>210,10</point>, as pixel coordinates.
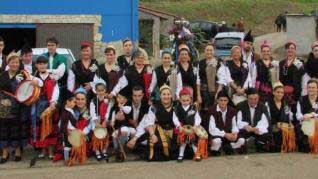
<point>57,63</point>
<point>248,54</point>
<point>119,118</point>
<point>155,130</point>
<point>208,78</point>
<point>138,74</point>
<point>83,124</point>
<point>139,106</point>
<point>46,119</point>
<point>281,127</point>
<point>186,74</point>
<point>186,120</point>
<point>14,130</point>
<point>161,74</point>
<point>26,60</point>
<point>311,67</point>
<point>109,71</point>
<point>264,74</point>
<point>126,60</point>
<point>307,111</point>
<point>253,121</point>
<point>223,127</point>
<point>3,58</point>
<point>237,76</point>
<point>98,110</point>
<point>67,114</point>
<point>291,70</point>
<point>83,71</point>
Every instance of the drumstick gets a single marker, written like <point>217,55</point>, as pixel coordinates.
<point>120,145</point>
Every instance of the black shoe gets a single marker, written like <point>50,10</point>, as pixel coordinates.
<point>4,160</point>
<point>17,158</point>
<point>106,157</point>
<point>98,157</point>
<point>180,159</point>
<point>215,153</point>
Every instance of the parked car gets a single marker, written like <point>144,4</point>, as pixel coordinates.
<point>210,29</point>
<point>224,41</point>
<point>63,51</point>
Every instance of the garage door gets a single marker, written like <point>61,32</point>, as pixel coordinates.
<point>69,35</point>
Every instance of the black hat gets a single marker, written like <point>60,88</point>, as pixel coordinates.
<point>42,59</point>
<point>223,93</point>
<point>26,49</point>
<point>124,92</point>
<point>249,37</point>
<point>251,91</point>
<point>66,95</point>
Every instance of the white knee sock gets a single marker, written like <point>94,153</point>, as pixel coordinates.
<point>181,149</point>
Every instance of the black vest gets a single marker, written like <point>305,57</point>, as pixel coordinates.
<point>246,114</point>
<point>227,126</point>
<point>163,117</point>
<point>305,105</point>
<point>202,71</point>
<point>162,76</point>
<point>83,75</point>
<point>186,117</point>
<point>278,115</point>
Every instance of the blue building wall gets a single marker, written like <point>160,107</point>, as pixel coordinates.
<point>119,17</point>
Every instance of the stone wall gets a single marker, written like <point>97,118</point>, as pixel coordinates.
<point>99,46</point>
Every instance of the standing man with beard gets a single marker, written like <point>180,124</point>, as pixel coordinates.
<point>249,56</point>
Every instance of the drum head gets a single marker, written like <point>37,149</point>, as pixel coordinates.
<point>75,138</point>
<point>201,132</point>
<point>308,127</point>
<point>24,91</point>
<point>100,133</point>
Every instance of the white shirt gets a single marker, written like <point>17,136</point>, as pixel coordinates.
<point>28,67</point>
<point>56,89</point>
<point>262,124</point>
<point>1,60</point>
<point>136,111</point>
<point>214,131</point>
<point>197,118</point>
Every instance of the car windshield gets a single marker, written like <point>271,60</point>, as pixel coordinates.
<point>226,43</point>
<point>68,57</point>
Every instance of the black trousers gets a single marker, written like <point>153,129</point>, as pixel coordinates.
<point>262,142</point>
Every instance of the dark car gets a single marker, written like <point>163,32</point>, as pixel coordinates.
<point>210,29</point>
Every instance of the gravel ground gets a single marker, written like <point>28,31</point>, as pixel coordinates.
<point>294,165</point>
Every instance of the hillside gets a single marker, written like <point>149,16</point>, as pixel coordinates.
<point>259,15</point>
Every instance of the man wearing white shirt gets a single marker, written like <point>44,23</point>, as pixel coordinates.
<point>223,127</point>
<point>253,120</point>
<point>26,60</point>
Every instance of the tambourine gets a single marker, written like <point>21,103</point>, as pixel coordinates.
<point>100,133</point>
<point>201,132</point>
<point>75,138</point>
<point>187,129</point>
<point>308,127</point>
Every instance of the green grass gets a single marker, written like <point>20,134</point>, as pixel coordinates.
<point>259,15</point>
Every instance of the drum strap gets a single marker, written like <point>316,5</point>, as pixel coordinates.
<point>9,94</point>
<point>164,141</point>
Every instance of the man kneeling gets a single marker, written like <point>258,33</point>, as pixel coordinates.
<point>223,127</point>
<point>252,121</point>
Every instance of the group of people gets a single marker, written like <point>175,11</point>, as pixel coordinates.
<point>188,110</point>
